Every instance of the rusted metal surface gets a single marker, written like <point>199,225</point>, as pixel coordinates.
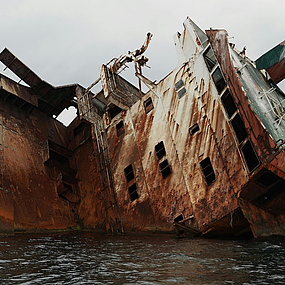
<point>262,202</point>
<point>261,223</point>
<point>195,152</point>
<point>155,207</point>
<point>105,186</point>
<point>91,210</point>
<point>215,207</point>
<point>213,140</point>
<point>6,198</point>
<point>160,199</point>
<point>41,187</point>
<point>27,181</point>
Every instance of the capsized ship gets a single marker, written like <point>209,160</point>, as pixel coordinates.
<point>202,151</point>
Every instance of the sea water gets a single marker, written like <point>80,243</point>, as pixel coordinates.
<point>89,258</point>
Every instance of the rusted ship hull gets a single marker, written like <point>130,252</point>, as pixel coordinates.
<point>201,151</point>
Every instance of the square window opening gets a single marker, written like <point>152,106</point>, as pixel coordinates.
<point>208,171</point>
<point>268,178</point>
<point>179,88</point>
<point>194,129</point>
<point>228,103</point>
<point>129,173</point>
<point>250,156</point>
<point>239,128</point>
<point>181,92</point>
<point>114,111</point>
<point>178,84</point>
<point>165,168</point>
<point>160,150</point>
<point>133,192</point>
<point>219,80</point>
<point>148,105</point>
<point>120,128</point>
<point>178,218</point>
<point>210,59</point>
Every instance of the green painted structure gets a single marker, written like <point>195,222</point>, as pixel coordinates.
<point>273,62</point>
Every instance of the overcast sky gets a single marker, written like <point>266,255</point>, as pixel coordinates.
<point>66,41</point>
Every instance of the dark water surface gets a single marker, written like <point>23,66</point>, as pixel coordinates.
<point>99,259</point>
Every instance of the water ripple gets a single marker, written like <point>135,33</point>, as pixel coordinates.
<point>98,259</point>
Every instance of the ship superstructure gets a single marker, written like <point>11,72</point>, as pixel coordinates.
<point>202,151</point>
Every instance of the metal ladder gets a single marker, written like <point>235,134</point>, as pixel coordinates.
<point>87,112</point>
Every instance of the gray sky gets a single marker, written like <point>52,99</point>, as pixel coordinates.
<point>66,41</point>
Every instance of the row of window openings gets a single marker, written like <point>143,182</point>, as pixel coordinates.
<point>227,100</point>
<point>129,174</point>
<point>206,167</point>
<point>180,88</point>
<point>249,154</point>
<point>234,116</point>
<point>236,121</point>
<point>217,76</point>
<point>238,126</point>
<point>220,83</point>
<point>164,168</point>
<point>251,159</point>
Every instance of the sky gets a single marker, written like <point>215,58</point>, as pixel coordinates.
<point>66,41</point>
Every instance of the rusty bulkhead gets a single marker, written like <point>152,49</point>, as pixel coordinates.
<point>200,153</point>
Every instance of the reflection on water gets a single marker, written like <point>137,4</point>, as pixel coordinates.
<point>98,259</point>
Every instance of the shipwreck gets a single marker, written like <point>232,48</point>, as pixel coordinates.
<point>201,152</point>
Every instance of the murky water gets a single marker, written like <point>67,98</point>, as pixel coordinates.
<point>99,259</point>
